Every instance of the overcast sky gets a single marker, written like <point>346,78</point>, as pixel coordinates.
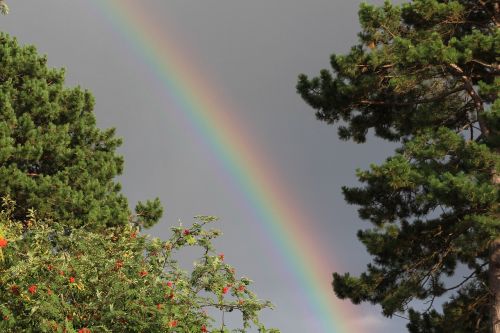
<point>252,52</point>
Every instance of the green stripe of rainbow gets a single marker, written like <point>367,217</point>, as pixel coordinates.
<point>209,116</point>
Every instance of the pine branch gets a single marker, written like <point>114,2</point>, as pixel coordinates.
<point>416,102</point>
<point>466,278</point>
<point>494,67</point>
<point>478,102</point>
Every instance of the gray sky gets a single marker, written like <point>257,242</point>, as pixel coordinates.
<point>252,52</point>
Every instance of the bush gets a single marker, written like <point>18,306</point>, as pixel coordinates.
<point>57,279</point>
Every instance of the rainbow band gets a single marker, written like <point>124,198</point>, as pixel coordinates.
<point>275,209</point>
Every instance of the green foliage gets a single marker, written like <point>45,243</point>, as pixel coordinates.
<point>425,74</point>
<point>55,280</point>
<point>53,158</point>
<point>404,70</point>
<point>4,9</point>
<point>433,205</point>
<point>148,213</point>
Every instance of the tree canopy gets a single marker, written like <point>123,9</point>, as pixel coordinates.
<point>425,75</point>
<point>53,157</point>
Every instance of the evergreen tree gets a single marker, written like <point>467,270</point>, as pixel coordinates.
<point>424,74</point>
<point>53,158</point>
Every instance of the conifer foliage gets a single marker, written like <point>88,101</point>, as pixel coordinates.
<point>53,157</point>
<point>425,75</point>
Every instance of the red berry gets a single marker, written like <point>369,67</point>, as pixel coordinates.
<point>143,273</point>
<point>172,323</point>
<point>221,256</point>
<point>241,288</point>
<point>204,329</point>
<point>225,290</point>
<point>170,284</point>
<point>32,289</point>
<point>71,279</point>
<point>3,242</point>
<point>186,232</point>
<point>84,330</point>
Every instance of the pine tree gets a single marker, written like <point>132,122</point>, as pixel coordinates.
<point>53,157</point>
<point>425,75</point>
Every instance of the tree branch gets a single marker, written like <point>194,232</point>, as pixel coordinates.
<point>420,101</point>
<point>478,102</point>
<point>495,68</point>
<point>466,278</point>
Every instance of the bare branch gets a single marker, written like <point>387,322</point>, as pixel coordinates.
<point>466,278</point>
<point>478,102</point>
<point>495,67</point>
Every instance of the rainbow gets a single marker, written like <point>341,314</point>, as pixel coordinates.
<point>208,115</point>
